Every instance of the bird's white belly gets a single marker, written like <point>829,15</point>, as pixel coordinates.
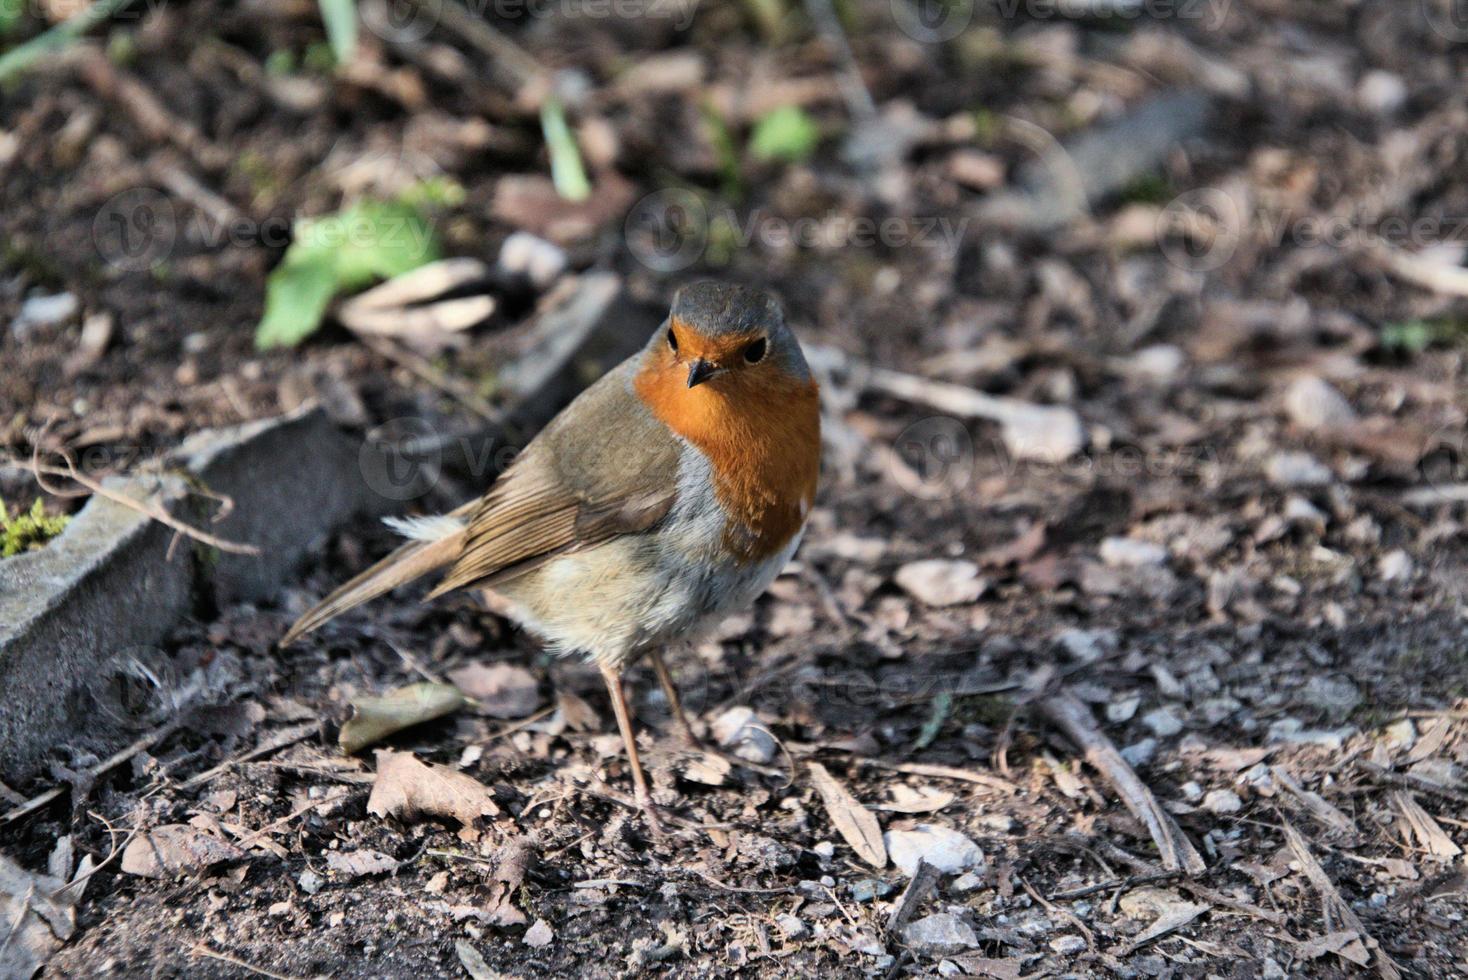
<point>618,599</point>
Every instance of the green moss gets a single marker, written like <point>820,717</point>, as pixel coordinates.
<point>28,530</point>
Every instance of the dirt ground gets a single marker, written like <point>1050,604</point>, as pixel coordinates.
<point>1250,573</point>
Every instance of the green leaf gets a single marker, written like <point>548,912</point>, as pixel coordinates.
<point>28,530</point>
<point>567,173</point>
<point>786,134</point>
<point>368,241</point>
<point>296,297</point>
<point>340,18</point>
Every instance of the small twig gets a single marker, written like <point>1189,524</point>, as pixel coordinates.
<point>941,772</point>
<point>739,890</point>
<point>853,87</point>
<point>1106,886</point>
<point>924,880</point>
<point>423,369</point>
<point>298,812</point>
<point>201,950</point>
<point>1333,905</point>
<point>1408,781</point>
<point>289,736</point>
<point>1054,909</point>
<point>149,510</point>
<point>111,762</point>
<point>1072,717</point>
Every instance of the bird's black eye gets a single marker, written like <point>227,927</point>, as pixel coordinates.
<point>755,352</point>
<point>672,340</point>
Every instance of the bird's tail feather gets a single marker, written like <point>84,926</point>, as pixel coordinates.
<point>410,561</point>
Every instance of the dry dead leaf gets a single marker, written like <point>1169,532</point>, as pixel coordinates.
<point>409,790</point>
<point>705,768</point>
<point>1428,833</point>
<point>174,848</point>
<point>1345,944</point>
<point>36,917</point>
<point>923,799</point>
<point>362,862</point>
<point>856,824</point>
<point>501,690</point>
<point>474,963</point>
<point>374,719</point>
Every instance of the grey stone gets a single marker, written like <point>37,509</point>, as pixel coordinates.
<point>1140,753</point>
<point>1163,722</point>
<point>1313,403</point>
<point>43,311</point>
<point>1131,553</point>
<point>102,590</point>
<point>1067,945</point>
<point>1295,469</point>
<point>939,934</point>
<point>1336,696</point>
<point>1222,801</point>
<point>945,849</point>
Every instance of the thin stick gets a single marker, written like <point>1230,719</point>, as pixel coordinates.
<point>425,371</point>
<point>152,511</point>
<point>1075,719</point>
<point>201,950</point>
<point>288,737</point>
<point>111,762</point>
<point>1333,905</point>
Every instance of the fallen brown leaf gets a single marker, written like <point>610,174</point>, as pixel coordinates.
<point>358,863</point>
<point>856,824</point>
<point>409,790</point>
<point>374,719</point>
<point>173,848</point>
<point>500,690</point>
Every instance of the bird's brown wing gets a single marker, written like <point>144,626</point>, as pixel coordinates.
<point>603,467</point>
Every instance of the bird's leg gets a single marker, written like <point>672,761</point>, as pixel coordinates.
<point>666,680</point>
<point>624,722</point>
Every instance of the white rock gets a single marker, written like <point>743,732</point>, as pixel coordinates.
<point>940,934</point>
<point>1399,735</point>
<point>1298,510</point>
<point>740,731</point>
<point>1131,553</point>
<point>947,850</point>
<point>938,582</point>
<point>535,258</point>
<point>1395,565</point>
<point>1313,403</point>
<point>1222,801</point>
<point>792,926</point>
<point>1045,433</point>
<point>1191,791</point>
<point>825,849</point>
<point>1381,92</point>
<point>43,311</point>
<point>1294,469</point>
<point>1140,753</point>
<point>1086,646</point>
<point>1160,361</point>
<point>539,934</point>
<point>1122,710</point>
<point>1067,945</point>
<point>1163,722</point>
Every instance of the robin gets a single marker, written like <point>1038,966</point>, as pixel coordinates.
<point>668,494</point>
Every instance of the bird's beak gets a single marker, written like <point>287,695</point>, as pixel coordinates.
<point>700,371</point>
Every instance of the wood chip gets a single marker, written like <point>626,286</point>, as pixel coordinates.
<point>1076,720</point>
<point>409,790</point>
<point>1317,805</point>
<point>1336,908</point>
<point>175,848</point>
<point>1428,833</point>
<point>857,825</point>
<point>375,718</point>
<point>924,880</point>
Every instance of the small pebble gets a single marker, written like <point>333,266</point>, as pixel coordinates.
<point>1163,722</point>
<point>1067,945</point>
<point>792,926</point>
<point>1222,801</point>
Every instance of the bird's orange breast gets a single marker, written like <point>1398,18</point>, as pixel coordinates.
<point>761,432</point>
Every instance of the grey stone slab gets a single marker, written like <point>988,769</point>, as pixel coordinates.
<point>105,586</point>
